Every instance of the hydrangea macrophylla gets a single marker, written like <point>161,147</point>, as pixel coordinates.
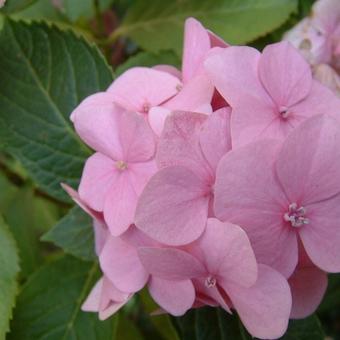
<point>223,263</point>
<point>318,38</point>
<point>174,205</point>
<point>270,93</point>
<point>115,175</point>
<point>280,195</point>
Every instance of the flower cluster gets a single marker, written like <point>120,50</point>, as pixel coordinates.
<point>218,185</point>
<point>318,38</point>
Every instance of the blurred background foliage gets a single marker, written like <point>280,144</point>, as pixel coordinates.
<point>48,64</point>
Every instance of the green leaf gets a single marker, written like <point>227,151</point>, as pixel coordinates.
<point>210,323</point>
<point>332,296</point>
<point>305,329</point>
<point>74,233</point>
<point>75,9</point>
<point>158,24</point>
<point>9,264</point>
<point>17,5</point>
<point>20,217</point>
<point>149,59</point>
<point>44,74</point>
<point>49,305</point>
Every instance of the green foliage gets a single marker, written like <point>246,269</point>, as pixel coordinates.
<point>48,306</point>
<point>158,24</point>
<point>74,234</point>
<point>17,5</point>
<point>149,59</point>
<point>52,71</point>
<point>210,323</point>
<point>20,217</point>
<point>306,329</point>
<point>9,269</point>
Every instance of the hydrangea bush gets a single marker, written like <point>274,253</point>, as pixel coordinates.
<point>205,188</point>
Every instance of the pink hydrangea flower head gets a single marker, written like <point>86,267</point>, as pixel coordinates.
<point>270,93</point>
<point>174,205</point>
<point>116,174</point>
<point>222,261</point>
<point>105,299</point>
<point>280,195</point>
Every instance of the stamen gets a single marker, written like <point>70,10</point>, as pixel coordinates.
<point>296,215</point>
<point>179,87</point>
<point>121,165</point>
<point>146,107</point>
<point>284,112</point>
<point>210,282</point>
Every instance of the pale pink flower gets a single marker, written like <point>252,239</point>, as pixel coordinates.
<point>116,174</point>
<point>270,93</point>
<point>2,3</point>
<point>174,205</point>
<point>222,261</point>
<point>282,194</point>
<point>105,299</point>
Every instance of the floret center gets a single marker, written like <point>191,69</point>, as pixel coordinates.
<point>296,215</point>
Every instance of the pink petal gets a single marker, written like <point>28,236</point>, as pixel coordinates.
<point>92,302</point>
<point>95,121</point>
<point>98,178</point>
<point>320,100</point>
<point>227,253</point>
<point>308,286</point>
<point>196,46</point>
<point>105,299</point>
<point>120,263</point>
<point>215,139</point>
<point>308,166</point>
<point>321,237</point>
<point>157,116</point>
<point>140,173</point>
<point>173,207</point>
<point>120,204</point>
<point>76,198</point>
<point>136,138</point>
<point>265,307</point>
<point>140,88</point>
<point>210,295</point>
<point>136,238</point>
<point>179,144</point>
<point>247,194</point>
<point>170,263</point>
<point>285,74</point>
<point>216,41</point>
<point>175,297</point>
<point>233,71</point>
<point>100,235</point>
<point>169,69</point>
<point>195,94</point>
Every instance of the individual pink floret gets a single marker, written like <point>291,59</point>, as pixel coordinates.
<point>116,174</point>
<point>270,93</point>
<point>282,194</point>
<point>223,262</point>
